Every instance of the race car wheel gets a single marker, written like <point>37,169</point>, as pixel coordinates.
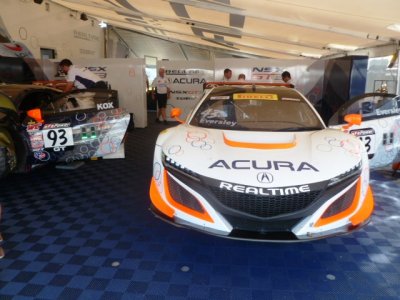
<point>131,125</point>
<point>3,161</point>
<point>8,157</point>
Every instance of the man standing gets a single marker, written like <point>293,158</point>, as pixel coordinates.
<point>162,92</point>
<point>287,78</point>
<point>80,78</point>
<point>227,75</point>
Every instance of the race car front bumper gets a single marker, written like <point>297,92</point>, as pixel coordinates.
<point>336,213</point>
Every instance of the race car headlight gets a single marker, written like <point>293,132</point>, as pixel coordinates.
<point>170,163</point>
<point>356,170</point>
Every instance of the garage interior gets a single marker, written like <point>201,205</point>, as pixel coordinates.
<point>88,233</point>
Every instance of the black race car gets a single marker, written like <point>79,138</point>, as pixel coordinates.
<point>39,124</point>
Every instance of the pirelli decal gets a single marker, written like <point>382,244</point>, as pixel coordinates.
<point>255,96</point>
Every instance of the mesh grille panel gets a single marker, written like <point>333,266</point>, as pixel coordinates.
<point>265,206</point>
<point>341,204</point>
<point>182,196</point>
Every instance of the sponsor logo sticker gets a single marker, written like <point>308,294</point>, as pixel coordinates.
<point>253,190</point>
<point>363,132</point>
<point>108,105</point>
<point>255,96</point>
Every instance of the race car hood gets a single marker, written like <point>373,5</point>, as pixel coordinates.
<point>281,158</point>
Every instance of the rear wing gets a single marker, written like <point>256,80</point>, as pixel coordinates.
<point>211,84</point>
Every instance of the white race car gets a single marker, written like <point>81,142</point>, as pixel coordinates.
<point>380,126</point>
<point>257,162</point>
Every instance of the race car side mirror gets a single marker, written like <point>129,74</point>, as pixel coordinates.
<point>35,114</point>
<point>352,119</point>
<point>176,113</point>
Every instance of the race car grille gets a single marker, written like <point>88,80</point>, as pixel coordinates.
<point>265,206</point>
<point>342,203</point>
<point>182,196</point>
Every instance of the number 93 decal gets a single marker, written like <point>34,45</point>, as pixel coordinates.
<point>58,137</point>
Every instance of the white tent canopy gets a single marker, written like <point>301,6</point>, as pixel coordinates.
<point>267,28</point>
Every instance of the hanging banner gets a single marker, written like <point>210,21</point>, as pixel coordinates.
<point>186,83</point>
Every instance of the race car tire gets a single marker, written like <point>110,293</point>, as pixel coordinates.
<point>3,162</point>
<point>8,157</point>
<point>131,125</point>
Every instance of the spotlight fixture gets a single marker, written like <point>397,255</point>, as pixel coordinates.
<point>38,1</point>
<point>102,24</point>
<point>84,17</point>
<point>393,60</point>
<point>342,47</point>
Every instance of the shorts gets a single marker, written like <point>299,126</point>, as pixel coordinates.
<point>162,100</point>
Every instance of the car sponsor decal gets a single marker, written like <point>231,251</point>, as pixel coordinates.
<point>33,127</point>
<point>108,105</point>
<point>244,164</point>
<point>219,98</point>
<point>56,125</point>
<point>41,155</point>
<point>255,96</point>
<point>37,141</point>
<point>262,191</point>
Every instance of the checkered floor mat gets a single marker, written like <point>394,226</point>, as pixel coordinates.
<point>88,234</point>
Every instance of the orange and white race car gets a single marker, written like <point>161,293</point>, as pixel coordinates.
<point>257,162</point>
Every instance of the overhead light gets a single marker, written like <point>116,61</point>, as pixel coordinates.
<point>84,17</point>
<point>38,1</point>
<point>342,47</point>
<point>394,27</point>
<point>393,60</point>
<point>311,55</point>
<point>102,24</point>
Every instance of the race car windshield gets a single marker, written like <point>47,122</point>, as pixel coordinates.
<point>277,110</point>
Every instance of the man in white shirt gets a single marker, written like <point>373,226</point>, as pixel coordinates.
<point>162,92</point>
<point>80,78</point>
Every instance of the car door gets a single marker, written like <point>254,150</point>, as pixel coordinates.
<point>380,126</point>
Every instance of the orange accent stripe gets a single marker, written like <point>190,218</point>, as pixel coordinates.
<point>158,202</point>
<point>258,145</point>
<point>343,214</point>
<point>366,210</point>
<point>204,216</point>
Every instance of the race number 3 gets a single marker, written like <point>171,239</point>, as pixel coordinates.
<point>369,143</point>
<point>58,137</point>
<point>367,136</point>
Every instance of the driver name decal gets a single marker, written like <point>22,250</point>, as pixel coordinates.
<point>385,112</point>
